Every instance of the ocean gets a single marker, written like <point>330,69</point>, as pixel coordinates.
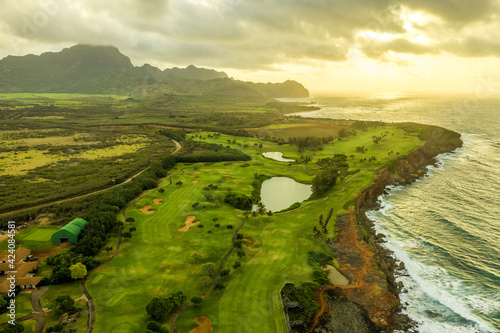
<point>446,226</point>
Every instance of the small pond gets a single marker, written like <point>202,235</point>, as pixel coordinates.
<point>278,193</point>
<point>277,156</point>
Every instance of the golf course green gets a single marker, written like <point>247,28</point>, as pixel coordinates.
<point>159,259</point>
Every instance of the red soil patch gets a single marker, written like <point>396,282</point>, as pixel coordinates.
<point>145,210</point>
<point>374,296</point>
<point>196,181</point>
<point>189,223</point>
<point>250,241</point>
<point>229,177</point>
<point>192,175</point>
<point>205,325</point>
<point>158,201</point>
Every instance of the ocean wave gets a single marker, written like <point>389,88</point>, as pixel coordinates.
<point>428,282</point>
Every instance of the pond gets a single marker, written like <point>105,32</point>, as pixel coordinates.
<point>275,155</point>
<point>278,193</point>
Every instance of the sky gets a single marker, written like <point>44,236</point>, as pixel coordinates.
<point>327,45</point>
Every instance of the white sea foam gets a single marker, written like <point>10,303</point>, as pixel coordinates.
<point>428,283</point>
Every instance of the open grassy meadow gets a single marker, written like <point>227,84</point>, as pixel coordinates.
<point>160,259</point>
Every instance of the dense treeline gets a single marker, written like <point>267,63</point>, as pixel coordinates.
<point>175,134</point>
<point>242,202</point>
<point>309,142</point>
<point>197,151</point>
<point>300,306</point>
<point>62,261</point>
<point>331,169</point>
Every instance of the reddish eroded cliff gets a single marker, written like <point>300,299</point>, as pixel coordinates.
<point>369,266</point>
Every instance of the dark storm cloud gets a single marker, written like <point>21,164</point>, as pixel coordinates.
<point>247,34</point>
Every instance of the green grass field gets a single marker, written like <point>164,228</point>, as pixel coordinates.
<point>23,307</point>
<point>156,260</point>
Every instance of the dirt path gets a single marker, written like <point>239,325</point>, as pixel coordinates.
<point>217,277</point>
<point>177,147</point>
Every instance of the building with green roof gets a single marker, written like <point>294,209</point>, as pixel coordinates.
<point>70,232</point>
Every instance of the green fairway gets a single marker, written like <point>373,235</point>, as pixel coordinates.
<point>157,260</point>
<point>34,238</point>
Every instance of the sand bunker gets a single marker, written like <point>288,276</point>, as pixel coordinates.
<point>205,325</point>
<point>334,276</point>
<point>192,175</point>
<point>145,210</point>
<point>157,201</point>
<point>250,241</point>
<point>189,223</point>
<point>196,181</point>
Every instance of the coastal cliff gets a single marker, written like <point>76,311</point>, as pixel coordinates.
<point>365,262</point>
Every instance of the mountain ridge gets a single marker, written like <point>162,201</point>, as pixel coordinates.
<point>104,69</point>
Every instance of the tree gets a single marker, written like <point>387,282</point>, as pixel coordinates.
<point>179,183</point>
<point>205,281</point>
<point>155,327</point>
<point>196,300</point>
<point>130,219</point>
<point>196,204</point>
<point>78,271</point>
<point>219,286</point>
<point>132,229</point>
<point>159,307</point>
<point>237,264</point>
<point>224,273</point>
<point>316,232</point>
<point>162,190</point>
<point>306,159</point>
<point>16,328</point>
<point>109,248</point>
<point>127,234</point>
<point>212,255</point>
<point>65,304</point>
<point>343,133</point>
<point>196,257</point>
<point>208,269</point>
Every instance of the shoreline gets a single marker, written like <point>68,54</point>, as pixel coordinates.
<point>405,172</point>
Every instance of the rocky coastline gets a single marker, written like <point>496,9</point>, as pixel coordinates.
<point>374,267</point>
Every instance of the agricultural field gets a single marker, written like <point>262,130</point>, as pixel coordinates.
<point>175,239</point>
<point>42,166</point>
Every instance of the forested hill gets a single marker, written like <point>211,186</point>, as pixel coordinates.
<point>103,69</point>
